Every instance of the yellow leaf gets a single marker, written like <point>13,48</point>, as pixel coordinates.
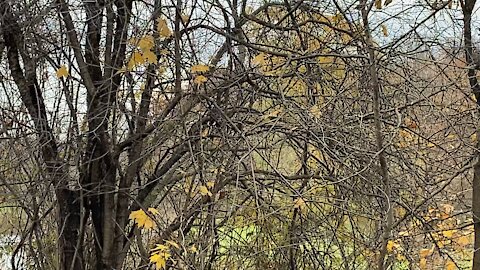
<point>210,184</point>
<point>450,265</point>
<point>300,204</point>
<point>199,68</point>
<point>159,258</point>
<point>448,233</point>
<point>146,43</point>
<point>430,145</point>
<point>153,211</point>
<point>135,60</point>
<point>173,244</point>
<point>423,263</point>
<point>260,59</point>
<point>193,249</point>
<point>391,245</point>
<point>204,191</point>
<point>185,18</point>
<point>163,29</point>
<point>159,247</point>
<point>425,253</point>
<point>451,136</point>
<point>473,138</point>
<point>384,30</point>
<point>302,69</point>
<point>200,79</point>
<point>62,72</point>
<point>150,57</point>
<point>316,111</point>
<point>378,4</point>
<point>463,240</point>
<point>142,219</point>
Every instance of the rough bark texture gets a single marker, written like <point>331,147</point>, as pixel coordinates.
<point>467,9</point>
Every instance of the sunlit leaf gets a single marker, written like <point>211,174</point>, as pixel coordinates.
<point>142,219</point>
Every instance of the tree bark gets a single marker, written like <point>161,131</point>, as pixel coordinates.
<point>467,8</point>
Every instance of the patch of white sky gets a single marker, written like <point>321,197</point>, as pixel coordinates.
<point>400,18</point>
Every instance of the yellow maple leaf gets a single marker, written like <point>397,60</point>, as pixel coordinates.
<point>163,29</point>
<point>160,259</point>
<point>300,204</point>
<point>146,43</point>
<point>204,191</point>
<point>159,247</point>
<point>153,211</point>
<point>150,57</point>
<point>62,72</point>
<point>200,68</point>
<point>200,79</point>
<point>463,240</point>
<point>173,244</point>
<point>142,219</point>
<point>260,59</point>
<point>391,245</point>
<point>423,263</point>
<point>210,184</point>
<point>450,265</point>
<point>448,233</point>
<point>135,60</point>
<point>193,249</point>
